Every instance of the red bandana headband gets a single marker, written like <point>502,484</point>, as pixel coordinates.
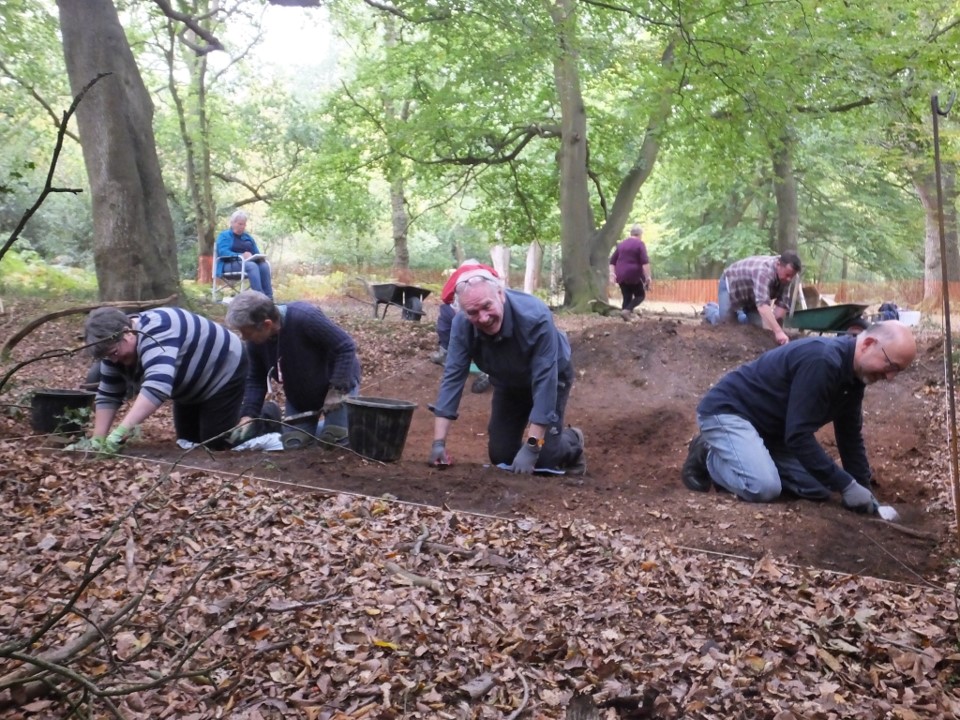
<point>465,272</point>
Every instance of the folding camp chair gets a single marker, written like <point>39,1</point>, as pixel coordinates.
<point>233,279</point>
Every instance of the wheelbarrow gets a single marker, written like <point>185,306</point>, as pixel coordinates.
<point>832,318</point>
<point>409,298</point>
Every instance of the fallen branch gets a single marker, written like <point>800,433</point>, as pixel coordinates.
<point>488,557</point>
<point>414,579</point>
<point>424,534</point>
<point>923,535</point>
<point>523,702</point>
<point>75,310</point>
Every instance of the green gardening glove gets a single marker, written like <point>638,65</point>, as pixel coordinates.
<point>82,445</point>
<point>110,445</point>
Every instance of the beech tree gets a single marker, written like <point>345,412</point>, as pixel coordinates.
<point>135,248</point>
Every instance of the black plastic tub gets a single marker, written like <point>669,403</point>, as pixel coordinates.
<point>378,426</point>
<point>60,411</point>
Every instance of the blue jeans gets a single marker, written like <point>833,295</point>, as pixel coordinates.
<point>726,313</point>
<point>258,273</point>
<point>740,461</point>
<point>334,418</point>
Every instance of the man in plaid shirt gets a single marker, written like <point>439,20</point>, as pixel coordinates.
<point>758,286</point>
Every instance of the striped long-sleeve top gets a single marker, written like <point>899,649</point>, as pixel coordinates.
<point>180,355</point>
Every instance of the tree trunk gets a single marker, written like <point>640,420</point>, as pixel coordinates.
<point>195,135</point>
<point>576,216</point>
<point>926,185</point>
<point>785,190</point>
<point>134,246</point>
<point>399,217</point>
<point>400,221</point>
<point>586,249</point>
<point>531,276</point>
<point>611,232</point>
<point>500,256</point>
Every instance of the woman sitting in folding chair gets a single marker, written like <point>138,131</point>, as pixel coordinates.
<point>237,251</point>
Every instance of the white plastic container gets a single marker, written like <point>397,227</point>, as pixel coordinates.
<point>910,317</point>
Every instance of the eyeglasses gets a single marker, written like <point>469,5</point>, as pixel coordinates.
<point>113,354</point>
<point>891,365</point>
<point>472,280</point>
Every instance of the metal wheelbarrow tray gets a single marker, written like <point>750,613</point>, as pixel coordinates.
<point>833,318</point>
<point>407,297</point>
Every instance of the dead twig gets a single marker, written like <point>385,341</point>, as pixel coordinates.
<point>48,185</point>
<point>424,534</point>
<point>488,558</point>
<point>75,310</point>
<point>523,702</point>
<point>301,606</point>
<point>414,579</point>
<point>907,530</point>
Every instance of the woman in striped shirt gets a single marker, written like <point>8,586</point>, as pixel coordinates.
<point>174,355</point>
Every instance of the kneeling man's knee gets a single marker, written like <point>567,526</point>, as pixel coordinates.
<point>761,489</point>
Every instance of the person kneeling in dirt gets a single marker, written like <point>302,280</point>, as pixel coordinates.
<point>511,336</point>
<point>481,383</point>
<point>172,354</point>
<point>757,287</point>
<point>758,423</point>
<point>296,345</point>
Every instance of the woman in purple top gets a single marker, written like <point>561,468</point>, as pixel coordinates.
<point>630,269</point>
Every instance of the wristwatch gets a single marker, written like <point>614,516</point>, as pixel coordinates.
<point>535,443</point>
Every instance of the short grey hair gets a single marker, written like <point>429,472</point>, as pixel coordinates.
<point>103,330</point>
<point>249,309</point>
<point>474,277</point>
<point>238,215</point>
<point>636,230</point>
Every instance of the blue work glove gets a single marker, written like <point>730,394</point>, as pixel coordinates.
<point>526,459</point>
<point>438,454</point>
<point>857,498</point>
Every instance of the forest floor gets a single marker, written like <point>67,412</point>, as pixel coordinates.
<point>637,387</point>
<point>322,585</point>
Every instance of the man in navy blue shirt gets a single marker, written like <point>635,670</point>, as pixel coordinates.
<point>297,345</point>
<point>758,424</point>
<point>510,336</point>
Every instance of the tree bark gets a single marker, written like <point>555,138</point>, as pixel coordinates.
<point>785,191</point>
<point>400,221</point>
<point>134,246</point>
<point>531,276</point>
<point>576,216</point>
<point>926,185</point>
<point>500,257</point>
<point>586,248</point>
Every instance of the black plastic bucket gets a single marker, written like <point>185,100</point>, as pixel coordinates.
<point>48,408</point>
<point>377,427</point>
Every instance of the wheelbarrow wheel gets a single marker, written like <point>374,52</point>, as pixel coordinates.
<point>413,309</point>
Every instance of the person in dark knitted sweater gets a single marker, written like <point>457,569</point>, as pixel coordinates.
<point>758,424</point>
<point>297,345</point>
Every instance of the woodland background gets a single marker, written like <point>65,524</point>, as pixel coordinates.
<point>411,135</point>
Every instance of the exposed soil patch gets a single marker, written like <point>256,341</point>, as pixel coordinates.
<point>638,384</point>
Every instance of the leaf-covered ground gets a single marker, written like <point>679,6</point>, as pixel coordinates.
<point>626,592</point>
